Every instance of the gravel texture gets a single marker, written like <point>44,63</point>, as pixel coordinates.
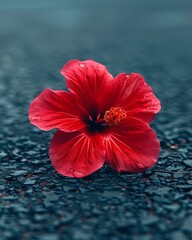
<point>149,37</point>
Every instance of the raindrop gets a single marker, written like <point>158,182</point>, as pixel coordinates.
<point>71,170</point>
<point>78,174</point>
<point>82,65</point>
<point>140,165</point>
<point>35,118</point>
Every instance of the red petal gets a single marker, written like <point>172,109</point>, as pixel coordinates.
<point>55,109</point>
<point>76,154</point>
<point>131,146</point>
<point>133,94</point>
<point>89,80</point>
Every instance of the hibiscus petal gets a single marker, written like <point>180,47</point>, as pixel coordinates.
<point>55,109</point>
<point>131,146</point>
<point>89,80</point>
<point>76,154</point>
<point>135,96</point>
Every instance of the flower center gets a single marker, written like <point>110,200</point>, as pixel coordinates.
<point>114,115</point>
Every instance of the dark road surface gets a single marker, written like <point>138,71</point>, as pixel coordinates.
<point>37,38</point>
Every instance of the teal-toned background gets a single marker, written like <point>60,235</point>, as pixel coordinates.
<point>37,38</point>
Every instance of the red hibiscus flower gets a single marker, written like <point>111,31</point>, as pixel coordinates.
<point>100,119</point>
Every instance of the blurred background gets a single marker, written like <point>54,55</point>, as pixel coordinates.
<point>37,38</point>
<point>150,37</point>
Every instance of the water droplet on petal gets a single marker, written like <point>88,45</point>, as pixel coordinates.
<point>71,170</point>
<point>82,65</point>
<point>35,118</point>
<point>140,165</point>
<point>154,160</point>
<point>78,174</point>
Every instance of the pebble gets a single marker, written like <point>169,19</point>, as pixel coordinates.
<point>188,163</point>
<point>148,220</point>
<point>172,207</point>
<point>19,173</point>
<point>187,224</point>
<point>29,182</point>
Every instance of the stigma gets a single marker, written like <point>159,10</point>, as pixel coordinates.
<point>114,115</point>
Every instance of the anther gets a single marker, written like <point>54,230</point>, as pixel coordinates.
<point>114,115</point>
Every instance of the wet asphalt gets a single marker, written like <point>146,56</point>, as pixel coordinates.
<point>36,39</point>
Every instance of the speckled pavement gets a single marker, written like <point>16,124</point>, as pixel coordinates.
<point>37,38</point>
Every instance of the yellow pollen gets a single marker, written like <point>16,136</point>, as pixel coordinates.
<point>114,115</point>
